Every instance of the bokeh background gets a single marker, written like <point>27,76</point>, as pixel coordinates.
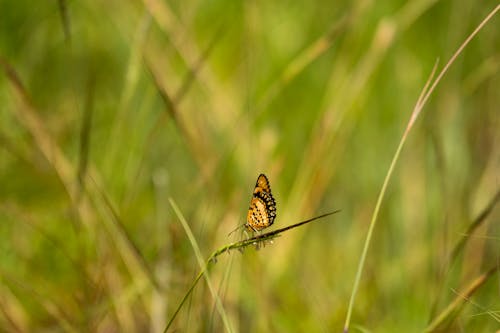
<point>108,109</point>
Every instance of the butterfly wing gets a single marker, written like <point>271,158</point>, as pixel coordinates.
<point>262,211</point>
<point>262,184</point>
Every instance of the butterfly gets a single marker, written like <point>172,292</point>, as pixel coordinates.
<point>262,211</point>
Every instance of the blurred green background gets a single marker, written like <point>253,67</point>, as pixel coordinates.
<point>110,108</point>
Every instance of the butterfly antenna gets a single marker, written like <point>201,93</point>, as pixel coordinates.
<point>238,227</point>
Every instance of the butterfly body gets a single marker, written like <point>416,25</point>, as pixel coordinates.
<point>262,211</point>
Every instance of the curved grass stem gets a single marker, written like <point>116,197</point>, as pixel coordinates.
<point>212,259</point>
<point>424,96</point>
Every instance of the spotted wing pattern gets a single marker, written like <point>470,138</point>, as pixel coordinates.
<point>262,211</point>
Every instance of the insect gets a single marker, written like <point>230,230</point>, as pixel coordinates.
<point>262,211</point>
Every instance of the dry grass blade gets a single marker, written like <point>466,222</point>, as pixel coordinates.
<point>478,221</point>
<point>172,102</point>
<point>493,314</point>
<point>298,64</point>
<point>193,71</point>
<point>29,118</point>
<point>170,106</point>
<point>195,138</point>
<point>60,314</point>
<point>65,170</point>
<point>130,251</point>
<point>446,316</point>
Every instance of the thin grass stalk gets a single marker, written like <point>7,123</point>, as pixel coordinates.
<point>129,250</point>
<point>61,315</point>
<point>240,245</point>
<point>493,314</point>
<point>478,221</point>
<point>190,290</point>
<point>454,306</point>
<point>377,209</point>
<point>424,96</point>
<point>203,266</point>
<point>369,235</point>
<point>457,249</point>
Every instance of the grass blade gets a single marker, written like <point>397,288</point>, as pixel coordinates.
<point>416,112</point>
<point>453,308</point>
<point>203,272</point>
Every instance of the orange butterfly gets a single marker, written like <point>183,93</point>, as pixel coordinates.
<point>262,211</point>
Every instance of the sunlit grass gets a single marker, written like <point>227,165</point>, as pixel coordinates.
<point>108,110</point>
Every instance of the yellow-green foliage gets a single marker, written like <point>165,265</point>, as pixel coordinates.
<point>132,132</point>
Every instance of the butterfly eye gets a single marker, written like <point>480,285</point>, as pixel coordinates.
<point>262,211</point>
